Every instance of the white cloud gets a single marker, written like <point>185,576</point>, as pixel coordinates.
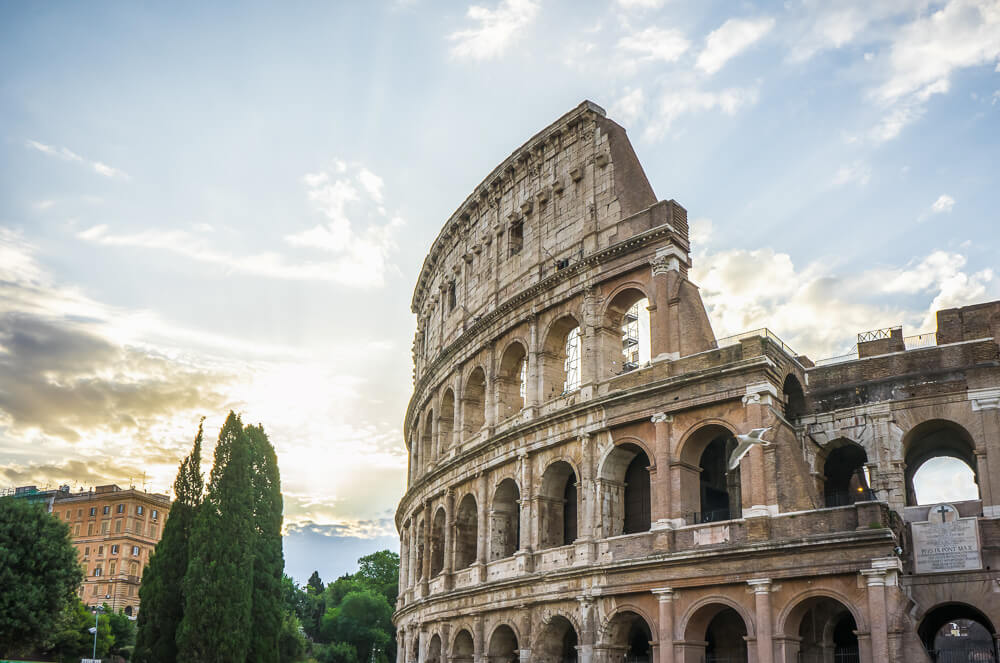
<point>628,108</point>
<point>821,26</point>
<point>655,44</point>
<point>497,29</point>
<point>675,103</point>
<point>944,203</point>
<point>67,154</point>
<point>858,172</point>
<point>640,4</point>
<point>729,40</point>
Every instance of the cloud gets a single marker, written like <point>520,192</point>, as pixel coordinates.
<point>495,31</point>
<point>67,154</point>
<point>676,103</point>
<point>654,44</point>
<point>729,40</point>
<point>944,203</point>
<point>628,108</point>
<point>815,26</point>
<point>926,53</point>
<point>640,4</point>
<point>358,258</point>
<point>817,310</point>
<point>857,172</point>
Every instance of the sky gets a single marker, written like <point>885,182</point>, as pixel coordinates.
<point>214,206</point>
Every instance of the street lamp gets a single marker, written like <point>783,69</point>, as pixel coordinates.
<point>97,611</point>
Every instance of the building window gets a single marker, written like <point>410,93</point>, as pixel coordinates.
<point>86,552</point>
<point>135,551</point>
<point>120,509</point>
<point>118,526</point>
<point>90,529</point>
<point>100,550</point>
<point>572,360</point>
<point>97,571</point>
<point>515,239</point>
<point>452,300</point>
<point>76,531</point>
<point>156,514</point>
<point>139,510</point>
<point>114,549</point>
<point>523,379</point>
<point>79,513</point>
<point>111,568</point>
<point>107,509</point>
<point>93,511</point>
<point>104,526</point>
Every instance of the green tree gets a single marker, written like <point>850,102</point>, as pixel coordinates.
<point>161,593</point>
<point>123,632</point>
<point>380,571</point>
<point>291,641</point>
<point>72,640</point>
<point>268,559</point>
<point>315,584</point>
<point>39,574</point>
<point>218,586</point>
<point>363,619</point>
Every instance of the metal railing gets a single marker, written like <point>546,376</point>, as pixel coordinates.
<point>971,652</point>
<point>914,342</point>
<point>763,331</point>
<point>877,334</point>
<point>925,340</point>
<point>702,517</point>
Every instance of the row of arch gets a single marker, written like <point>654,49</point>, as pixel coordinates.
<point>820,628</point>
<point>526,375</point>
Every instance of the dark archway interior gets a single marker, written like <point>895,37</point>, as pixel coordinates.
<point>719,489</point>
<point>503,646</point>
<point>569,646</point>
<point>637,493</point>
<point>957,632</point>
<point>557,506</point>
<point>505,530</point>
<point>437,543</point>
<point>794,397</point>
<point>638,642</point>
<point>726,637</point>
<point>434,650</point>
<point>827,632</point>
<point>569,511</point>
<point>845,481</point>
<point>463,650</point>
<point>466,532</point>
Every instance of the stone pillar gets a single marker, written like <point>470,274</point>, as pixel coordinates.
<point>404,559</point>
<point>490,396</point>
<point>875,579</point>
<point>449,536</point>
<point>665,341</point>
<point>482,526</point>
<point>401,645</point>
<point>662,508</point>
<point>588,632</point>
<point>533,388</point>
<point>762,599</point>
<point>437,446</point>
<point>987,404</point>
<point>665,631</point>
<point>426,571</point>
<point>525,511</point>
<point>414,573</point>
<point>479,635</point>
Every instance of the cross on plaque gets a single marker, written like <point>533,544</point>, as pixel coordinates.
<point>943,510</point>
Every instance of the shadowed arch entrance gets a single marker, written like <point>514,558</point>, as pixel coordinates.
<point>628,638</point>
<point>821,629</point>
<point>503,646</point>
<point>557,643</point>
<point>716,632</point>
<point>956,633</point>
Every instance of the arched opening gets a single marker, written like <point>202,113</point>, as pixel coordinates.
<point>557,506</point>
<point>557,643</point>
<point>925,444</point>
<point>474,403</point>
<point>463,650</point>
<point>629,634</point>
<point>561,359</point>
<point>625,488</point>
<point>420,549</point>
<point>466,532</point>
<point>128,610</point>
<point>626,319</point>
<point>794,398</point>
<point>505,520</point>
<point>512,380</point>
<point>723,632</point>
<point>437,543</point>
<point>956,632</point>
<point>427,440</point>
<point>446,421</point>
<point>826,630</point>
<point>503,646</point>
<point>844,479</point>
<point>434,649</point>
<point>709,491</point>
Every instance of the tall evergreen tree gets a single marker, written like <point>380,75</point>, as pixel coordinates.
<point>218,586</point>
<point>161,593</point>
<point>315,584</point>
<point>269,562</point>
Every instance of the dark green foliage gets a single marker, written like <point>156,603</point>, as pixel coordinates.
<point>161,593</point>
<point>291,641</point>
<point>123,632</point>
<point>380,570</point>
<point>39,574</point>
<point>71,638</point>
<point>336,652</point>
<point>363,619</point>
<point>268,562</point>
<point>315,584</point>
<point>219,584</point>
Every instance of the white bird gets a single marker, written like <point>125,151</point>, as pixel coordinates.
<point>747,441</point>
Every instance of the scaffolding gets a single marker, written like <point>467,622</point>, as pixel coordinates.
<point>630,339</point>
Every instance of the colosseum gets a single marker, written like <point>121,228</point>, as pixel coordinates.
<point>585,482</point>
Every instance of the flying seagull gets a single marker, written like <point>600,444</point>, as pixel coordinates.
<point>745,442</point>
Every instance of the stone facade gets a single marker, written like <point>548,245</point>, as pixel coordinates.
<point>564,503</point>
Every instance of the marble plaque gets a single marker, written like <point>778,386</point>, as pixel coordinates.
<point>946,542</point>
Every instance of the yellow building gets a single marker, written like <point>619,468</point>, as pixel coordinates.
<point>114,532</point>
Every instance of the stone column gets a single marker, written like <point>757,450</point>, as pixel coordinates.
<point>585,646</point>
<point>762,599</point>
<point>662,508</point>
<point>482,526</point>
<point>426,570</point>
<point>525,511</point>
<point>413,575</point>
<point>665,632</point>
<point>401,644</point>
<point>449,536</point>
<point>533,387</point>
<point>490,395</point>
<point>987,404</point>
<point>875,580</point>
<point>436,444</point>
<point>404,559</point>
<point>663,341</point>
<point>479,635</point>
<point>458,417</point>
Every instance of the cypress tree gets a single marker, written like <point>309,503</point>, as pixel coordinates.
<point>269,563</point>
<point>161,594</point>
<point>218,586</point>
